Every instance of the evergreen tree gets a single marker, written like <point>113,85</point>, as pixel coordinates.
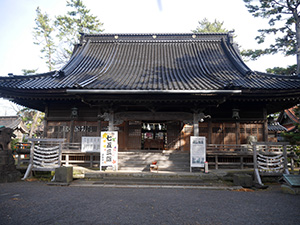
<point>43,33</point>
<point>29,71</point>
<point>206,26</point>
<point>284,22</point>
<point>78,20</point>
<point>290,70</point>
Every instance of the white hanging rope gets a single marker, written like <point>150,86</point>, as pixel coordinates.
<point>44,156</point>
<point>268,169</point>
<point>48,166</point>
<point>45,149</point>
<point>269,157</point>
<point>45,153</point>
<point>269,164</point>
<point>45,160</point>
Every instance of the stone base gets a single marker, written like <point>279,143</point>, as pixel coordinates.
<point>8,170</point>
<point>244,180</point>
<point>290,190</point>
<point>10,176</point>
<point>64,174</point>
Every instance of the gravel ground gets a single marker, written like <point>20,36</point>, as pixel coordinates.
<point>37,203</point>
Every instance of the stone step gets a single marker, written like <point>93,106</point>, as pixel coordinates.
<point>170,169</point>
<point>190,179</point>
<point>166,160</point>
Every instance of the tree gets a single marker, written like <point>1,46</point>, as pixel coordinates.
<point>284,21</point>
<point>33,120</point>
<point>206,26</point>
<point>43,33</point>
<point>78,20</point>
<point>29,72</point>
<point>290,70</point>
<point>293,137</point>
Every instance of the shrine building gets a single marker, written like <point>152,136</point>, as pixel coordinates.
<point>156,90</point>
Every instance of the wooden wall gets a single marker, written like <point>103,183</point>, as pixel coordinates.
<point>178,134</point>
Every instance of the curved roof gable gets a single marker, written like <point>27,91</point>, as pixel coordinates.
<point>154,62</point>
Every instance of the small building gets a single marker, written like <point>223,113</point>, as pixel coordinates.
<point>15,123</point>
<point>156,90</point>
<point>275,128</point>
<point>289,119</point>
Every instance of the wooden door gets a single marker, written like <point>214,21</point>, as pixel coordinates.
<point>174,135</point>
<point>134,135</point>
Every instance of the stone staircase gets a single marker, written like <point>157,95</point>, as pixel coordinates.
<point>139,160</point>
<point>153,179</point>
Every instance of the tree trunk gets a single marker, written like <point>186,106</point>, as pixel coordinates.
<point>37,115</point>
<point>298,45</point>
<point>297,26</point>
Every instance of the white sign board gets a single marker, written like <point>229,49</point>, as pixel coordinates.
<point>198,151</point>
<point>90,144</point>
<point>109,149</point>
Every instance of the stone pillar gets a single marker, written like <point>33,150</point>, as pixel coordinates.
<point>8,170</point>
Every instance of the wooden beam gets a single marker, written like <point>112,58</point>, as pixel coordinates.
<point>166,116</point>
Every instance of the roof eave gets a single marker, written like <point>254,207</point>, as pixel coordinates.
<point>101,91</point>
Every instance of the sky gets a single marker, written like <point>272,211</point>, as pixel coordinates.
<point>18,52</point>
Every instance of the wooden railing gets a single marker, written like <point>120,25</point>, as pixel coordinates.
<point>218,156</point>
<point>221,156</point>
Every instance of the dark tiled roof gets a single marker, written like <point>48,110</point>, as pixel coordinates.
<point>275,126</point>
<point>12,122</point>
<point>154,62</point>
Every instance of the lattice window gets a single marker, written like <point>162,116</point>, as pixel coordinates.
<point>229,130</point>
<point>254,130</point>
<point>203,130</point>
<point>217,130</point>
<point>135,132</point>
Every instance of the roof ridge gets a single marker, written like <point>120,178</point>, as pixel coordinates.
<point>29,76</point>
<point>154,36</point>
<point>293,77</point>
<point>153,33</point>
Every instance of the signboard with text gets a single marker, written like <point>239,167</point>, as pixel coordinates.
<point>90,144</point>
<point>109,149</point>
<point>198,151</point>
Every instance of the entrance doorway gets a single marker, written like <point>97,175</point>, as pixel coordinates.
<point>154,135</point>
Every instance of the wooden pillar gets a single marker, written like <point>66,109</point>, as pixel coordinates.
<point>265,126</point>
<point>126,135</point>
<point>196,124</point>
<point>237,132</point>
<point>72,131</point>
<point>209,131</point>
<point>46,122</point>
<point>111,121</point>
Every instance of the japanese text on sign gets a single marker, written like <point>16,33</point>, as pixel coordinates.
<point>109,149</point>
<point>90,144</point>
<point>198,151</point>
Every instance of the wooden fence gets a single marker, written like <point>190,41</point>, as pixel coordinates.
<point>218,156</point>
